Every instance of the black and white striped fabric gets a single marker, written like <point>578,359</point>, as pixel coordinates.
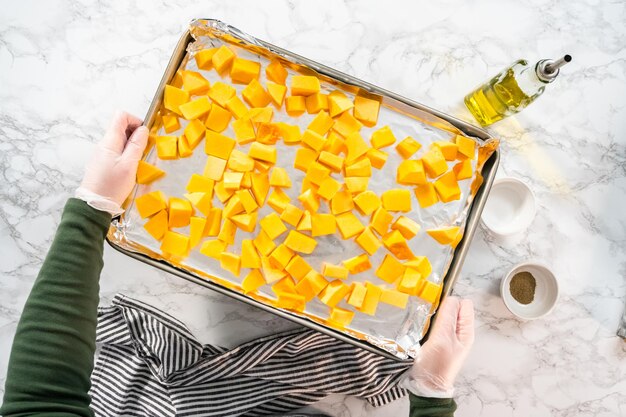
<point>149,364</point>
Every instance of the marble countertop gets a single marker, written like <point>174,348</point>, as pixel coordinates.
<point>66,65</point>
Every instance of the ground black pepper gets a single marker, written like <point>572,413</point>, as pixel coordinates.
<point>522,287</point>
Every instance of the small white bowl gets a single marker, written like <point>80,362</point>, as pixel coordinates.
<point>510,207</point>
<point>546,291</point>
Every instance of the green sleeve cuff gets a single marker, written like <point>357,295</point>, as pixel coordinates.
<point>431,407</point>
<point>80,208</point>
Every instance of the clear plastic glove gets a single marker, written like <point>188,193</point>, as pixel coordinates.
<point>111,172</point>
<point>440,359</point>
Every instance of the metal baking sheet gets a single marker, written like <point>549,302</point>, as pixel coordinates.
<point>438,124</point>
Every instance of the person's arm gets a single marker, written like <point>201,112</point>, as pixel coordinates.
<point>53,349</point>
<point>430,380</point>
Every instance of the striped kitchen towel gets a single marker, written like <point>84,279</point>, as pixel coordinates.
<point>149,364</point>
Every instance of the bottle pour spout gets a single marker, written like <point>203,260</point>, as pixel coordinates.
<point>548,69</point>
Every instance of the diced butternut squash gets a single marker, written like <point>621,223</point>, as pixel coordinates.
<point>173,98</point>
<point>421,264</point>
<point>397,200</point>
<point>309,201</point>
<point>323,224</point>
<point>218,118</point>
<point>218,145</point>
<point>291,215</point>
<point>381,220</point>
<point>298,268</point>
<point>263,243</point>
<point>349,225</point>
<point>222,59</point>
<point>245,221</point>
<point>407,227</point>
<point>295,105</point>
<point>368,241</point>
<point>150,203</point>
<point>194,132</point>
<point>290,133</point>
<point>367,202</point>
<point>260,187</point>
<point>202,201</point>
<point>390,269</point>
<point>340,317</point>
<point>411,282</point>
<point>334,292</point>
<point>255,95</point>
<point>277,93</point>
<point>407,147</point>
<point>299,242</point>
<point>263,152</point>
<point>356,185</point>
<point>448,149</point>
<point>196,231</point>
<point>335,144</point>
<point>372,297</point>
<point>175,244</point>
<point>157,225</point>
<point>147,173</point>
<point>332,161</point>
<point>359,168</point>
<point>273,226</point>
<point>304,158</point>
<point>280,257</point>
<point>341,202</point>
<point>430,292</point>
<point>213,222</point>
<point>213,248</point>
<point>316,103</point>
<point>167,147</point>
<point>228,232</point>
<point>377,157</point>
<point>204,58</point>
<point>411,172</point>
<point>444,235</point>
<point>184,150</point>
<point>358,264</point>
<point>280,178</point>
<point>291,301</point>
<point>276,72</point>
<point>382,137</point>
<point>311,285</point>
<point>237,108</point>
<point>249,256</point>
<point>447,187</point>
<point>253,281</point>
<point>214,168</point>
<point>196,109</point>
<point>284,285</point>
<point>221,93</point>
<point>278,200</point>
<point>329,188</point>
<point>170,123</point>
<point>338,103</point>
<point>357,294</point>
<point>243,71</point>
<point>463,170</point>
<point>426,195</point>
<point>356,147</point>
<point>194,82</point>
<point>394,298</point>
<point>396,244</point>
<point>247,200</point>
<point>270,273</point>
<point>346,124</point>
<point>244,131</point>
<point>231,263</point>
<point>434,162</point>
<point>313,140</point>
<point>335,271</point>
<point>466,146</point>
<point>366,110</point>
<point>180,212</point>
<point>304,85</point>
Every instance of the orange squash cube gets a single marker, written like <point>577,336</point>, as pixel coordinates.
<point>184,150</point>
<point>298,268</point>
<point>213,222</point>
<point>394,298</point>
<point>299,242</point>
<point>167,147</point>
<point>245,221</point>
<point>332,161</point>
<point>463,170</point>
<point>202,201</point>
<point>448,149</point>
<point>194,82</point>
<point>280,257</point>
<point>397,200</point>
<point>243,71</point>
<point>411,172</point>
<point>444,235</point>
<point>360,168</point>
<point>346,124</point>
<point>263,152</point>
<point>253,281</point>
<point>195,109</point>
<point>349,225</point>
<point>273,226</point>
<point>434,162</point>
<point>170,123</point>
<point>276,72</point>
<point>372,297</point>
<point>407,227</point>
<point>407,147</point>
<point>390,269</point>
<point>338,103</point>
<point>335,271</point>
<point>382,137</point>
<point>218,118</point>
<point>366,110</point>
<point>411,282</point>
<point>466,146</point>
<point>341,202</point>
<point>204,58</point>
<point>214,168</point>
<point>334,292</point>
<point>270,273</point>
<point>255,95</point>
<point>222,59</point>
<point>356,185</point>
<point>328,188</point>
<point>421,264</point>
<point>196,231</point>
<point>175,244</point>
<point>218,145</point>
<point>426,195</point>
<point>221,93</point>
<point>309,201</point>
<point>357,294</point>
<point>396,244</point>
<point>311,285</point>
<point>430,292</point>
<point>194,132</point>
<point>316,103</point>
<point>323,224</point>
<point>260,187</point>
<point>180,212</point>
<point>280,178</point>
<point>213,248</point>
<point>295,105</point>
<point>356,147</point>
<point>277,93</point>
<point>368,241</point>
<point>249,256</point>
<point>304,85</point>
<point>380,221</point>
<point>367,202</point>
<point>377,157</point>
<point>147,173</point>
<point>150,203</point>
<point>231,263</point>
<point>447,187</point>
<point>358,264</point>
<point>173,97</point>
<point>291,215</point>
<point>340,317</point>
<point>278,200</point>
<point>304,158</point>
<point>157,225</point>
<point>313,139</point>
<point>228,232</point>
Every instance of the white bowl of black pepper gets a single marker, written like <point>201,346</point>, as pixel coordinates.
<point>530,290</point>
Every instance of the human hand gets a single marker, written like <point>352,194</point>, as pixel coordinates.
<point>110,174</point>
<point>440,359</point>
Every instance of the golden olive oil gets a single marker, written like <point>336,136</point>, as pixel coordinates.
<point>512,90</point>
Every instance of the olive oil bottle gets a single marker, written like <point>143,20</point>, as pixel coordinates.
<point>512,90</point>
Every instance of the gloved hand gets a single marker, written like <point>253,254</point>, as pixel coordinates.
<point>440,359</point>
<point>111,172</point>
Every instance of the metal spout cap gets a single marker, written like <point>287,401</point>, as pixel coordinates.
<point>548,69</point>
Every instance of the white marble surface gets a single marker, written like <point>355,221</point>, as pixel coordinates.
<point>65,66</point>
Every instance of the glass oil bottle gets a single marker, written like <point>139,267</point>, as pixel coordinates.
<point>512,90</point>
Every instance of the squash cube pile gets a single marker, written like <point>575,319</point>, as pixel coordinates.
<point>241,175</point>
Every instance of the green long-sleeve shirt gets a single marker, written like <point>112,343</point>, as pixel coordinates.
<point>53,351</point>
